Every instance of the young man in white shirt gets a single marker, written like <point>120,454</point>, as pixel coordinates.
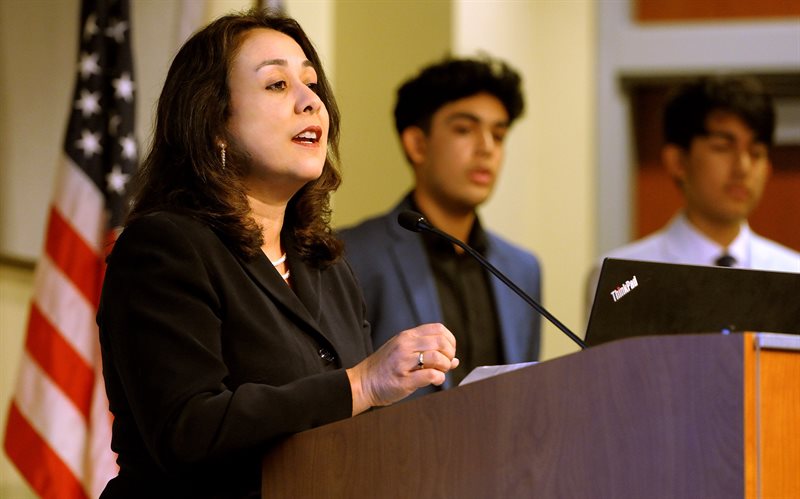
<point>717,132</point>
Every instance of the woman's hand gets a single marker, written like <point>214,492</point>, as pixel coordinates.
<point>394,371</point>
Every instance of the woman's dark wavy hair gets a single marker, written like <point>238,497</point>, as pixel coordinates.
<point>183,170</point>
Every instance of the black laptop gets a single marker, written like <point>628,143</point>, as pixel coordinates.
<point>638,298</point>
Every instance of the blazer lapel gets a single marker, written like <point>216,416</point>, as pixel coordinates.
<point>265,276</point>
<point>307,286</point>
<point>510,311</point>
<point>408,255</point>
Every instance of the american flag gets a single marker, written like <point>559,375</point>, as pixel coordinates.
<point>59,427</point>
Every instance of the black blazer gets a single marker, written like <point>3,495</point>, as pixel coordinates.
<point>209,358</point>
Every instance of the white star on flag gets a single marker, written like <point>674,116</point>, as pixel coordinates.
<point>123,87</point>
<point>88,65</point>
<point>116,180</point>
<point>128,144</point>
<point>117,31</point>
<point>89,143</point>
<point>88,104</point>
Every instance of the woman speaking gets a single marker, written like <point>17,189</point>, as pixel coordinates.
<point>228,318</point>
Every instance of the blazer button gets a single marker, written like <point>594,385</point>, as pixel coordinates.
<point>326,354</point>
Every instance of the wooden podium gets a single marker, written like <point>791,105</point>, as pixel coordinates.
<point>700,416</point>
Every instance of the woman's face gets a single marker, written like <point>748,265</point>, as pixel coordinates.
<point>276,118</point>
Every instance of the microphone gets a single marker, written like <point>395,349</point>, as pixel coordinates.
<point>415,222</point>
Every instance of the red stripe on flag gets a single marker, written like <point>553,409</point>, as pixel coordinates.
<point>65,367</point>
<point>76,259</point>
<point>42,468</point>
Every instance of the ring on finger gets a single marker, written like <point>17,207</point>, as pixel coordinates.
<point>421,360</point>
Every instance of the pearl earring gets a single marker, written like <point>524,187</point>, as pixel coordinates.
<point>222,154</point>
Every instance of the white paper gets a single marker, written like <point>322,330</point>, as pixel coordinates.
<point>484,372</point>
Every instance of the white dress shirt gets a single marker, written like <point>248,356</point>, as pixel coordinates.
<point>680,242</point>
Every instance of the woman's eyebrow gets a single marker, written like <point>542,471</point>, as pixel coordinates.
<point>280,62</point>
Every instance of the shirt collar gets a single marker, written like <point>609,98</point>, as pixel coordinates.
<point>739,248</point>
<point>706,250</point>
<point>478,239</point>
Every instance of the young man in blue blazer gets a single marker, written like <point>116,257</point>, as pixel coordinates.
<point>451,119</point>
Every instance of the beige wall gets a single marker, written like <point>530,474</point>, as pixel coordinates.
<point>37,53</point>
<point>378,45</point>
<point>15,293</point>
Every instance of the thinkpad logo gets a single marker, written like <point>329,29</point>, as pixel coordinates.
<point>624,289</point>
